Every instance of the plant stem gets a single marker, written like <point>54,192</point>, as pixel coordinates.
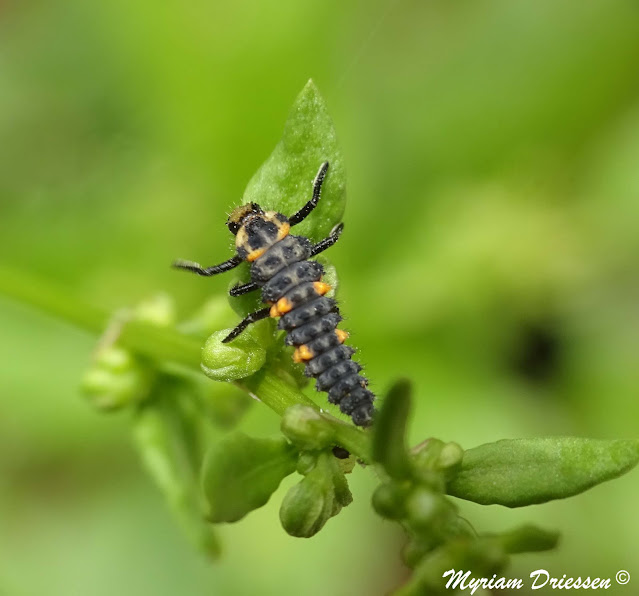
<point>163,344</point>
<point>278,395</point>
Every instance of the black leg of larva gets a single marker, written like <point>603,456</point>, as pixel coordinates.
<point>322,245</point>
<point>258,315</point>
<point>233,262</point>
<point>317,189</point>
<point>239,290</point>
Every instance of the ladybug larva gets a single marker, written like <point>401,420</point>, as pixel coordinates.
<point>292,286</point>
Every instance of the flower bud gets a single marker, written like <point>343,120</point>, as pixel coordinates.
<point>450,456</point>
<point>231,361</point>
<point>428,511</point>
<point>307,506</point>
<point>388,500</point>
<point>116,379</point>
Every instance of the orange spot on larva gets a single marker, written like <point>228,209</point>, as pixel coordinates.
<point>281,307</point>
<point>283,230</point>
<point>255,254</point>
<point>341,335</point>
<point>321,288</point>
<point>302,354</point>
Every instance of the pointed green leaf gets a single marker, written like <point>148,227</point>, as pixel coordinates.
<point>523,472</point>
<point>284,182</point>
<point>241,473</point>
<point>389,431</point>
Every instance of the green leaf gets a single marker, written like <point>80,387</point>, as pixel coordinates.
<point>523,472</point>
<point>389,431</point>
<point>528,539</point>
<point>241,473</point>
<point>166,433</point>
<point>284,181</point>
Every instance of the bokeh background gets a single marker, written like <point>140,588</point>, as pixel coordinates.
<point>491,254</point>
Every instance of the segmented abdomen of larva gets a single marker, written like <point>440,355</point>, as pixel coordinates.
<point>292,284</point>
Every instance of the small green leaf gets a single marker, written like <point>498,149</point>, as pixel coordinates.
<point>284,182</point>
<point>528,539</point>
<point>241,473</point>
<point>523,472</point>
<point>389,431</point>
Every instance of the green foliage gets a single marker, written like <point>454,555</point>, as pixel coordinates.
<point>135,368</point>
<point>166,430</point>
<point>236,360</point>
<point>523,472</point>
<point>321,495</point>
<point>390,422</point>
<point>241,473</point>
<point>284,181</point>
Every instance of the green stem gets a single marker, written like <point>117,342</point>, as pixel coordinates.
<point>162,344</point>
<point>278,395</point>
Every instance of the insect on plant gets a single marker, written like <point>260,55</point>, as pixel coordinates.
<point>291,285</point>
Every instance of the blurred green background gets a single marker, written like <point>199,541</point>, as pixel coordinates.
<point>491,254</point>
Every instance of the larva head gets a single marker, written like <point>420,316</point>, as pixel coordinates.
<point>255,230</point>
<point>242,215</point>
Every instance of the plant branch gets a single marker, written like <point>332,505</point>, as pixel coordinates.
<point>163,344</point>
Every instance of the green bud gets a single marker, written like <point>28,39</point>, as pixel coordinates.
<point>308,505</point>
<point>425,458</point>
<point>450,456</point>
<point>388,500</point>
<point>306,428</point>
<point>116,379</point>
<point>158,310</point>
<point>425,454</point>
<point>428,511</point>
<point>306,463</point>
<point>235,360</point>
<point>115,359</point>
